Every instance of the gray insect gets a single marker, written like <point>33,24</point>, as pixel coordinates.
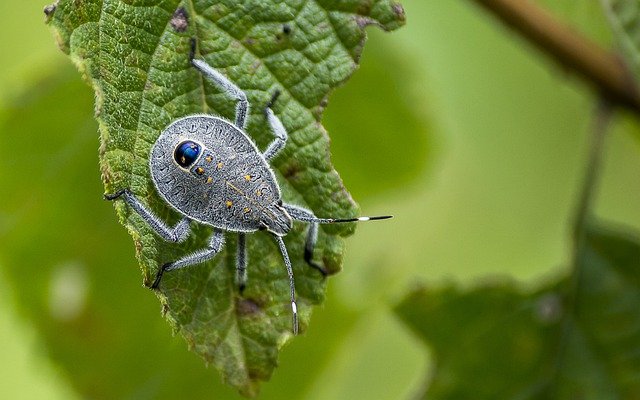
<point>211,172</point>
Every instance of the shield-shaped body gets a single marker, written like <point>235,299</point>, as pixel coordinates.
<point>227,183</point>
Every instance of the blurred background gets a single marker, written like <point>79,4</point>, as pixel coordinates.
<point>471,138</point>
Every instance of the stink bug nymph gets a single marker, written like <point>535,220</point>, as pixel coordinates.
<point>210,171</point>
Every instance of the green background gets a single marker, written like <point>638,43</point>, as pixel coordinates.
<point>471,138</point>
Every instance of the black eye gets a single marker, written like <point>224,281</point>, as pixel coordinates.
<point>186,153</point>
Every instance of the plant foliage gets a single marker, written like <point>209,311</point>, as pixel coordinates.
<point>135,56</point>
<point>575,338</point>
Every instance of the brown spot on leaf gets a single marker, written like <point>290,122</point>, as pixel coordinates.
<point>180,20</point>
<point>247,307</point>
<point>290,171</point>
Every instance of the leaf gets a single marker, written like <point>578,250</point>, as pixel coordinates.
<point>624,18</point>
<point>48,240</point>
<point>136,58</point>
<point>578,338</point>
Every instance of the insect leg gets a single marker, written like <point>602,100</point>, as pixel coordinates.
<point>213,247</point>
<point>178,233</point>
<point>292,286</point>
<point>277,128</point>
<point>241,262</point>
<point>302,214</point>
<point>242,108</point>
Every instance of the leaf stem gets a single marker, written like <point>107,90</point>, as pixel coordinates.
<point>601,118</point>
<point>605,71</point>
<point>600,123</point>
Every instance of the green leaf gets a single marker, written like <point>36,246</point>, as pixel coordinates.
<point>48,241</point>
<point>576,338</point>
<point>624,18</point>
<point>135,56</point>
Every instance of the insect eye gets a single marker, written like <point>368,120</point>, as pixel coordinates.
<point>186,153</point>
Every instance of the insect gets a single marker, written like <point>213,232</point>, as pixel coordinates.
<point>211,172</point>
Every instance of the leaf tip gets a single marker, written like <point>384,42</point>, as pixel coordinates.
<point>398,11</point>
<point>390,14</point>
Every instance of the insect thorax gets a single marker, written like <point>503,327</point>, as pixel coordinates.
<point>224,182</point>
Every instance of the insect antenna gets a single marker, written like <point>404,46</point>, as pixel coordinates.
<point>357,219</point>
<point>313,219</point>
<point>302,214</point>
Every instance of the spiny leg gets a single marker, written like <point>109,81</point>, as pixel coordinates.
<point>178,233</point>
<point>213,247</point>
<point>242,108</point>
<point>241,262</point>
<point>276,127</point>
<point>292,285</point>
<point>302,214</point>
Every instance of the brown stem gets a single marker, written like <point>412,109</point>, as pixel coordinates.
<point>604,70</point>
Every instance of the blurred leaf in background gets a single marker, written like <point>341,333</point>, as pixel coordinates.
<point>503,130</point>
<point>574,338</point>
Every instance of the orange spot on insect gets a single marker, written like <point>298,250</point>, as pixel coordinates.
<point>247,210</point>
<point>247,178</point>
<point>199,170</point>
<point>220,165</point>
<point>209,159</point>
<point>229,203</point>
<point>209,179</point>
<point>259,192</point>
